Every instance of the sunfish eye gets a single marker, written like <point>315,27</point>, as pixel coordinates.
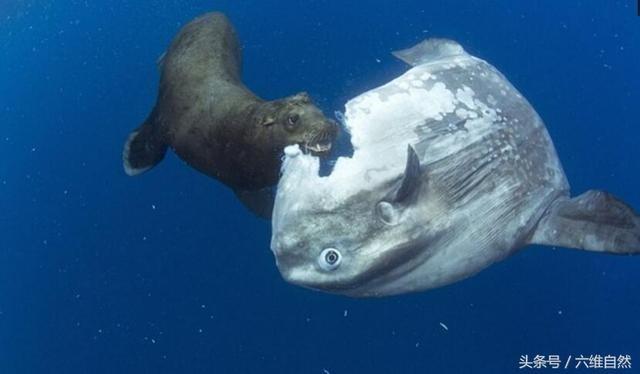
<point>330,259</point>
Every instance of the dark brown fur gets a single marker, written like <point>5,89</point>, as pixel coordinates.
<point>213,121</point>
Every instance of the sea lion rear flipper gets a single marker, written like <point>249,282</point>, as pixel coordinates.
<point>595,221</point>
<point>143,148</point>
<point>259,202</point>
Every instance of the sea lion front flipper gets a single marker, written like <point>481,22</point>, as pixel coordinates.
<point>143,149</point>
<point>259,202</point>
<point>595,221</point>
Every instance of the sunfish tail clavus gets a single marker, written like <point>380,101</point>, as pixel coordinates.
<point>452,170</point>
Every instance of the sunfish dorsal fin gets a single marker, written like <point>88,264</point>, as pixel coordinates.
<point>429,50</point>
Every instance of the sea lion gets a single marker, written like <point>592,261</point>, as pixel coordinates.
<point>216,124</point>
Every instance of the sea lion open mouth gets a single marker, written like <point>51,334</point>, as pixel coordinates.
<point>321,143</point>
<point>318,148</point>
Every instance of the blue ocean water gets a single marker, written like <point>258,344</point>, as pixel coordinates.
<point>168,273</point>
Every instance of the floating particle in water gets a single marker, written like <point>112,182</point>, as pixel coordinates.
<point>444,326</point>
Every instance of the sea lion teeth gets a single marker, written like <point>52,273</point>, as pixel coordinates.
<point>318,147</point>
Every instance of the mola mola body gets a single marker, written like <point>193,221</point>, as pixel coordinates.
<point>452,171</point>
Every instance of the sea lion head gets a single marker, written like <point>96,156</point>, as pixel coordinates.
<point>296,120</point>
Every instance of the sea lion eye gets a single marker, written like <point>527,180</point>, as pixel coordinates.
<point>293,119</point>
<point>330,259</point>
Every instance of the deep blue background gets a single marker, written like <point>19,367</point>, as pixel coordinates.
<point>94,279</point>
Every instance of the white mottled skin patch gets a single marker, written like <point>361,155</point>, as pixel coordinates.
<point>465,96</point>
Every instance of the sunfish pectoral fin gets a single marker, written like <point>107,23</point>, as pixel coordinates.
<point>411,178</point>
<point>594,221</point>
<point>389,208</point>
<point>429,50</point>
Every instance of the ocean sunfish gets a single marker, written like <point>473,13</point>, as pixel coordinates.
<point>452,171</point>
